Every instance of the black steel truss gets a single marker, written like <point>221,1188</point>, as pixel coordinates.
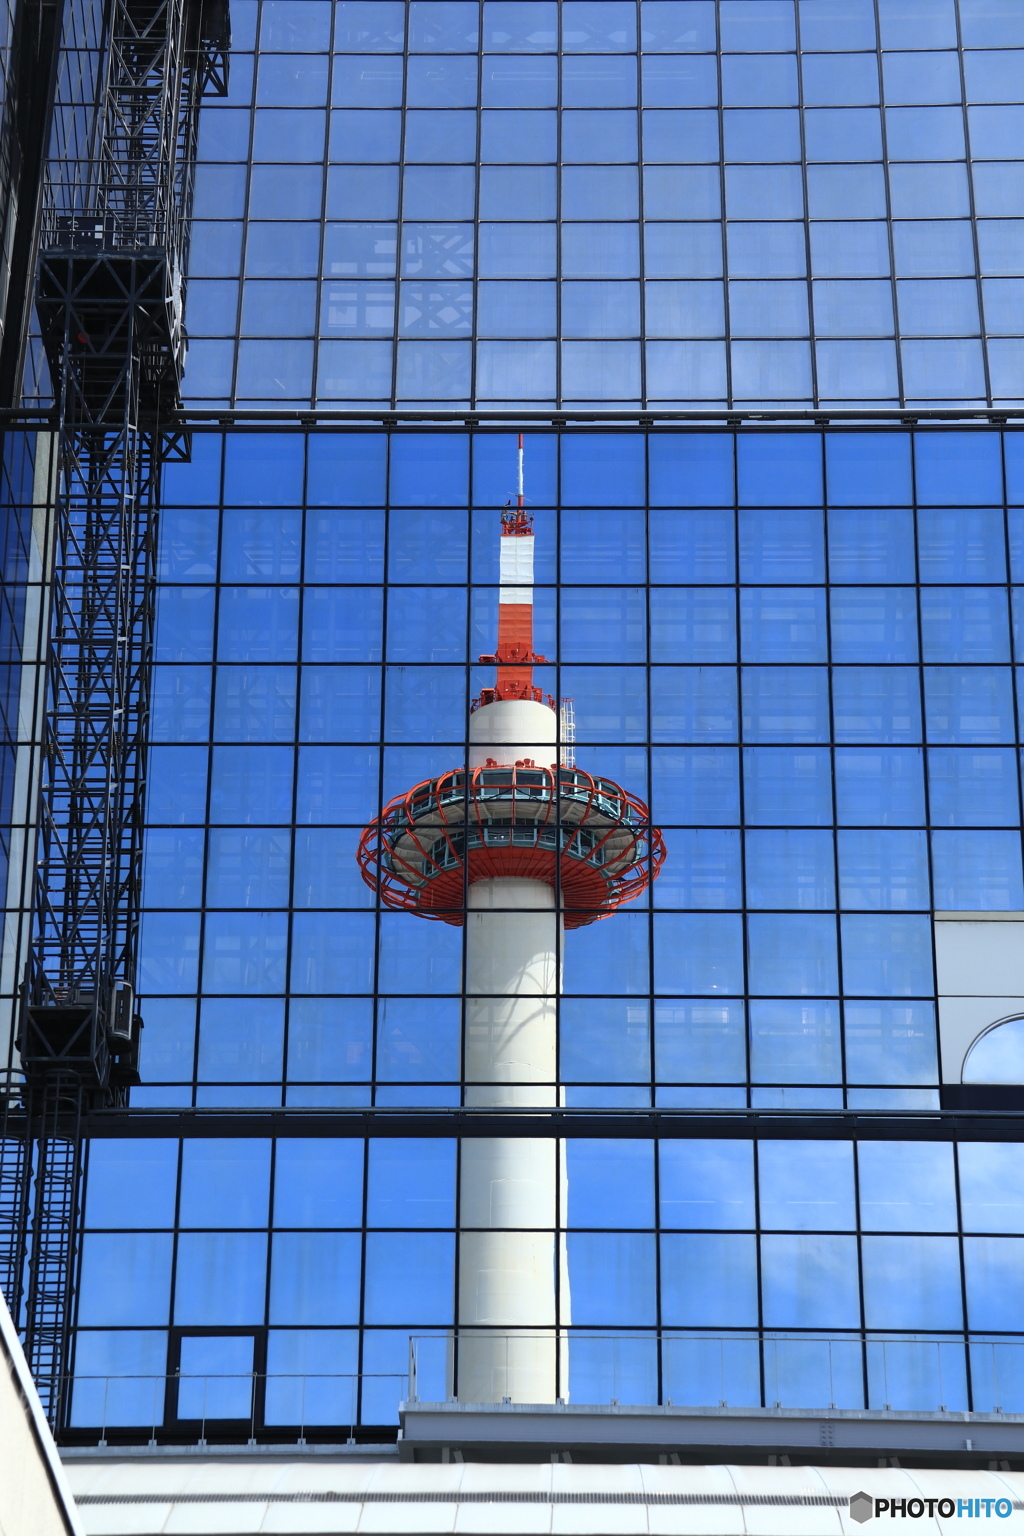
<point>47,1241</point>
<point>113,253</point>
<point>134,191</point>
<point>24,124</point>
<point>109,297</point>
<point>78,1012</point>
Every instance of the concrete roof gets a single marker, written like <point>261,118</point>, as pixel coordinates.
<point>200,1493</point>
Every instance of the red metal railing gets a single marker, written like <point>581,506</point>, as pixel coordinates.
<point>588,838</point>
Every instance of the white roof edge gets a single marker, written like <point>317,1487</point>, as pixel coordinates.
<point>741,1483</point>
<point>978,917</point>
<point>63,1497</point>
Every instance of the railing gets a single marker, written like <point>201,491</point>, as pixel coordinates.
<point>744,1369</point>
<point>233,1404</point>
<point>813,1373</point>
<point>106,224</point>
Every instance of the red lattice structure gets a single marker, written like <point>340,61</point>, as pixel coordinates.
<point>586,837</point>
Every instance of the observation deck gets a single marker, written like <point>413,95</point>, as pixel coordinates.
<point>586,837</point>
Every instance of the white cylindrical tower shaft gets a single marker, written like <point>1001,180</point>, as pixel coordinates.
<point>509,1185</point>
<point>512,973</point>
<point>512,730</point>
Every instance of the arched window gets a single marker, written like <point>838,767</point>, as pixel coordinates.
<point>997,1055</point>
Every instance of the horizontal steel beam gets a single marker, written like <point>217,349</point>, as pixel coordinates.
<point>838,1125</point>
<point>315,418</point>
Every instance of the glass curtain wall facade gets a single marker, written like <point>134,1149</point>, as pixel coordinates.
<point>798,644</point>
<point>669,203</point>
<point>799,647</point>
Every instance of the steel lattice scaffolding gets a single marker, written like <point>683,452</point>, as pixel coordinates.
<point>78,1008</point>
<point>15,1177</point>
<point>48,1256</point>
<point>114,248</point>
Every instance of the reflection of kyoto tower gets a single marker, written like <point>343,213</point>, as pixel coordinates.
<point>518,846</point>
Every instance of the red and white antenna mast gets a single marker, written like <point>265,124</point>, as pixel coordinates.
<point>514,656</point>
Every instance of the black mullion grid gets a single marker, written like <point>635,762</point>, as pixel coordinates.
<point>755,1165</point>
<point>559,748</point>
<point>858,1238</point>
<point>300,672</point>
<point>841,1001</point>
<point>724,227</point>
<point>218,587</point>
<point>806,220</point>
<point>472,440</point>
<point>561,1161</point>
<point>381,756</point>
<point>561,1258</point>
<point>399,229</point>
<point>70,1372</point>
<point>457,1265</point>
<point>248,165</point>
<point>318,308</point>
<point>1014,674</point>
<point>261,1342</point>
<point>476,223</point>
<point>648,797</point>
<point>659,1320</point>
<point>968,167</point>
<point>559,57</point>
<point>649,676</point>
<point>740,754</point>
<point>640,210</point>
<point>361,1328</point>
<point>968,1363</point>
<point>76,1222</point>
<point>897,336</point>
<point>170,1403</point>
<point>912,444</point>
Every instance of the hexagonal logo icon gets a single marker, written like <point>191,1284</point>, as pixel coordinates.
<point>862,1507</point>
